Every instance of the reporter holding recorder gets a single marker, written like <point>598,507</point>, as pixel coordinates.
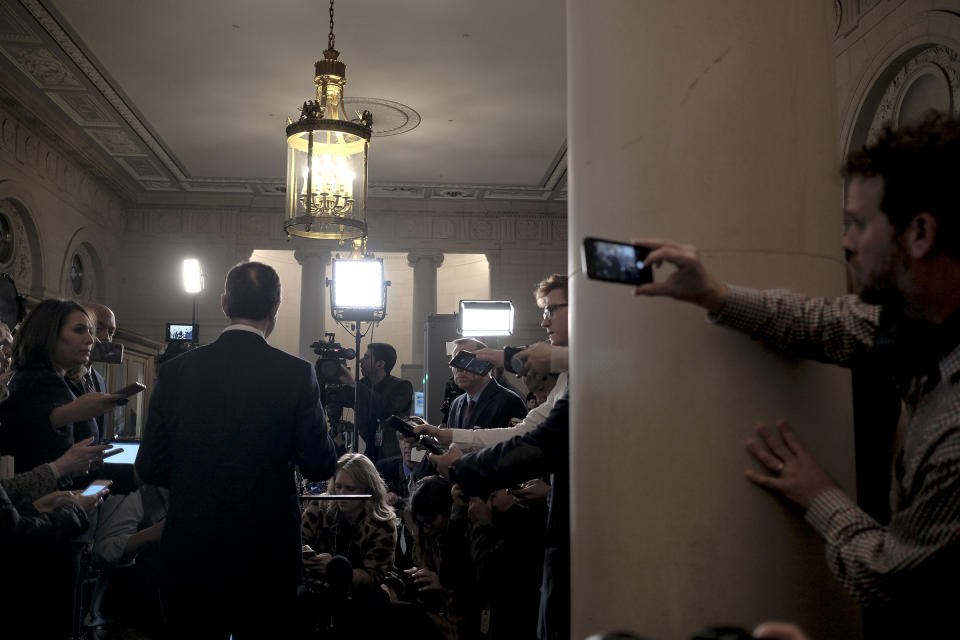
<point>43,419</point>
<point>44,422</point>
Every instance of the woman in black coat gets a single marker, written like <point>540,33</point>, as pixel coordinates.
<point>42,418</point>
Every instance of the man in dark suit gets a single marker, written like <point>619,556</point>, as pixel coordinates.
<point>227,423</point>
<point>485,404</point>
<point>106,326</point>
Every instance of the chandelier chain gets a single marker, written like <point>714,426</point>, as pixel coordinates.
<point>331,39</point>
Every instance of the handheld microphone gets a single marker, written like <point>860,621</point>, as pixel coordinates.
<point>406,429</point>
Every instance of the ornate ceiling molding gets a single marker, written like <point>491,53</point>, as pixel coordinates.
<point>37,42</point>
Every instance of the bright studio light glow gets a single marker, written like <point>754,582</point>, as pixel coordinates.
<point>357,291</point>
<point>485,318</point>
<point>192,276</point>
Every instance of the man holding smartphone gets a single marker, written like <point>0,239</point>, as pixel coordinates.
<point>228,422</point>
<point>485,403</point>
<point>903,249</point>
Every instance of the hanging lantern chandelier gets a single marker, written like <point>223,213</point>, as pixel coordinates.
<point>327,159</point>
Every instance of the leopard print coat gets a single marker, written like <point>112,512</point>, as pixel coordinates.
<point>369,545</point>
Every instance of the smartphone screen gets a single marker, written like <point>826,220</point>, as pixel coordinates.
<point>616,261</point>
<point>469,362</point>
<point>96,487</point>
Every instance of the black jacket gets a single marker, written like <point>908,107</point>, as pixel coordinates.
<point>544,450</point>
<point>227,423</point>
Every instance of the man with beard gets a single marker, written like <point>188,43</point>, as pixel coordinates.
<point>903,248</point>
<point>381,395</point>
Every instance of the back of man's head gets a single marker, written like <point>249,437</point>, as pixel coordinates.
<point>251,291</point>
<point>384,352</point>
<point>919,167</point>
<point>555,281</point>
<point>470,344</point>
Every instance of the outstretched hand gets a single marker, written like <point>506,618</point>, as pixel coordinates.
<point>536,358</point>
<point>444,461</point>
<point>81,458</point>
<point>443,436</point>
<point>690,282</point>
<point>792,471</point>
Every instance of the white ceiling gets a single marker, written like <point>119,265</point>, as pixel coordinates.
<point>214,80</point>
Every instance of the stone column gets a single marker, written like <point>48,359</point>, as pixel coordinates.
<point>425,263</point>
<point>711,123</point>
<point>313,260</point>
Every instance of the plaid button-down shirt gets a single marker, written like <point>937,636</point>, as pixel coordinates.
<point>915,557</point>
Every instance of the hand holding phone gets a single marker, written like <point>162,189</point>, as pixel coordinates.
<point>614,261</point>
<point>96,488</point>
<point>130,389</point>
<point>406,429</point>
<point>469,362</point>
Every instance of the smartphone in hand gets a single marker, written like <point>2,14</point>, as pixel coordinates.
<point>469,362</point>
<point>96,487</point>
<point>131,389</point>
<point>614,261</point>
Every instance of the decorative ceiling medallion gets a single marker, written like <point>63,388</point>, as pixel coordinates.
<point>389,118</point>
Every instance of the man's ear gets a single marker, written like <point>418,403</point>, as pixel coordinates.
<point>921,236</point>
<point>276,307</point>
<point>223,304</point>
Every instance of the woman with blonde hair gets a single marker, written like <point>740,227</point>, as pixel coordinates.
<point>362,530</point>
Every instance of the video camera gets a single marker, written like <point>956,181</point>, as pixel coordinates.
<point>332,356</point>
<point>335,395</point>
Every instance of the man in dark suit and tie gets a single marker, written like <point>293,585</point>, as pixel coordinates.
<point>228,421</point>
<point>485,404</point>
<point>106,326</point>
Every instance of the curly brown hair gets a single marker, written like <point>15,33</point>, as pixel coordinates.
<point>919,167</point>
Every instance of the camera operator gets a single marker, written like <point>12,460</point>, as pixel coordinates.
<point>381,395</point>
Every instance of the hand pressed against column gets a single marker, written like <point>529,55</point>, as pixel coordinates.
<point>792,471</point>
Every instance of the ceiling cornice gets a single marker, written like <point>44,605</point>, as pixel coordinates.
<point>60,83</point>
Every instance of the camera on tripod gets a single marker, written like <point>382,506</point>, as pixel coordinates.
<point>332,356</point>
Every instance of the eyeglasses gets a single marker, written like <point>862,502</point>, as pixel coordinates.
<point>551,309</point>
